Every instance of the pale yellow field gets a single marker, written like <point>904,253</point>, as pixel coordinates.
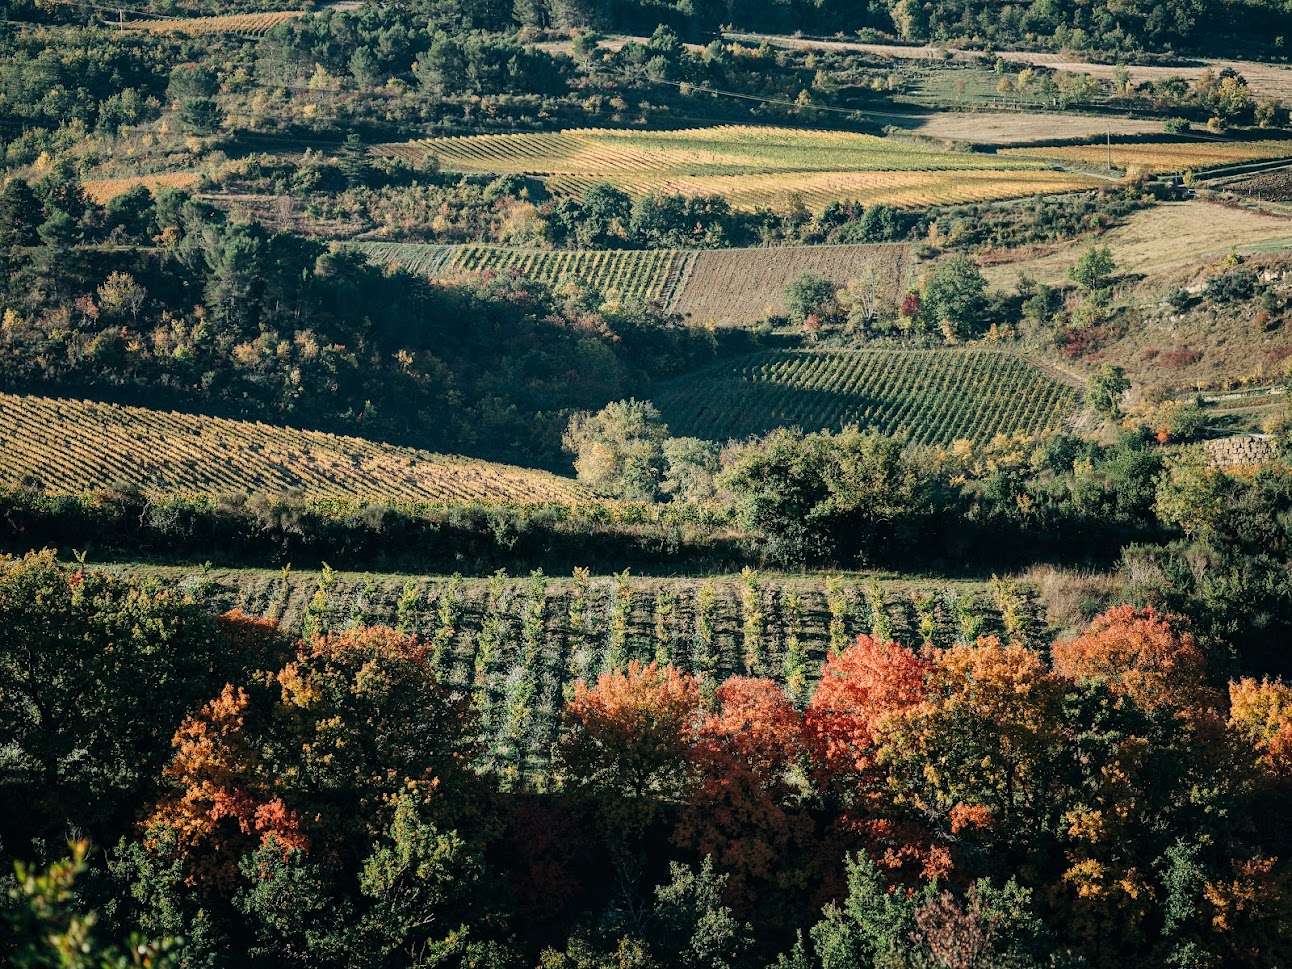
<point>105,189</point>
<point>73,446</point>
<point>1019,127</point>
<point>1159,240</point>
<point>1160,156</point>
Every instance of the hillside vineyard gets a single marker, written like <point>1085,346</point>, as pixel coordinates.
<point>662,484</point>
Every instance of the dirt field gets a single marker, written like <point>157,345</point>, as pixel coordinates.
<point>1158,241</point>
<point>728,287</point>
<point>1022,128</point>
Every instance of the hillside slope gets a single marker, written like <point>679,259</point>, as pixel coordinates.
<point>74,446</point>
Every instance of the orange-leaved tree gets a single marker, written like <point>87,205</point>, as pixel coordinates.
<point>977,755</point>
<point>631,734</point>
<point>1260,713</point>
<point>745,811</point>
<point>859,688</point>
<point>1143,655</point>
<point>626,751</point>
<point>318,755</point>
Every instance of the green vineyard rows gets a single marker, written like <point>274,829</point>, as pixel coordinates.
<point>932,396</point>
<point>487,632</point>
<point>72,446</point>
<point>618,274</point>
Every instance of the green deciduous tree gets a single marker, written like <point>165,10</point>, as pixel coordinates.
<point>954,297</point>
<point>619,451</point>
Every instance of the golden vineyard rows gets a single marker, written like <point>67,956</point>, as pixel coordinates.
<point>72,446</point>
<point>929,396</point>
<point>1161,156</point>
<point>749,166</point>
<point>246,23</point>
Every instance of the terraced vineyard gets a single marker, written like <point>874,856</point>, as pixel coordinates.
<point>647,275</point>
<point>253,24</point>
<point>932,396</point>
<point>750,166</point>
<point>720,287</point>
<point>1160,156</point>
<point>75,446</point>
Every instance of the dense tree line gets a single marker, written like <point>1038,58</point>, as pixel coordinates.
<point>245,797</point>
<point>165,302</point>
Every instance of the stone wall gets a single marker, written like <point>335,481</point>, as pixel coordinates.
<point>1230,452</point>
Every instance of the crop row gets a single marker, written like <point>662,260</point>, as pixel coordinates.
<point>750,166</point>
<point>254,24</point>
<point>75,446</point>
<point>931,396</point>
<point>517,645</point>
<point>618,274</point>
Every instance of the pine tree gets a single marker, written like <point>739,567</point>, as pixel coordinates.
<point>579,648</point>
<point>621,609</point>
<point>352,159</point>
<point>665,614</point>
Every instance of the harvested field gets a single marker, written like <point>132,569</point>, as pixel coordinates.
<point>1160,156</point>
<point>1267,186</point>
<point>728,287</point>
<point>1018,128</point>
<point>72,446</point>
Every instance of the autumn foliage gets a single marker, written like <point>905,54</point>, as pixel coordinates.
<point>1140,654</point>
<point>859,687</point>
<point>632,733</point>
<point>744,811</point>
<point>315,754</point>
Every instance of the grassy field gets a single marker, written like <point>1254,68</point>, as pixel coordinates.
<point>932,396</point>
<point>719,287</point>
<point>1155,242</point>
<point>647,275</point>
<point>254,24</point>
<point>75,446</point>
<point>1155,157</point>
<point>750,166</point>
